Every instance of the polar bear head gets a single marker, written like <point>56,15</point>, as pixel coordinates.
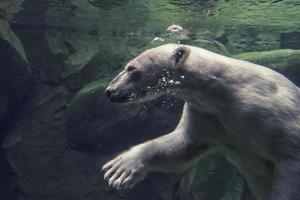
<point>154,72</point>
<point>149,75</point>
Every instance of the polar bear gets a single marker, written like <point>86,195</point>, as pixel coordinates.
<point>247,112</point>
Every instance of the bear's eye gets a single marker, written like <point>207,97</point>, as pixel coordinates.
<point>178,55</point>
<point>130,68</point>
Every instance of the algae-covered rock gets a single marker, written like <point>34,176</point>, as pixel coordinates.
<point>41,160</point>
<point>251,40</point>
<point>6,33</point>
<point>8,8</point>
<point>15,71</point>
<point>78,48</point>
<point>14,83</point>
<point>212,178</point>
<point>14,68</point>
<point>96,60</point>
<point>285,61</point>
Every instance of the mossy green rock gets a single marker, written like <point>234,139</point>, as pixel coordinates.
<point>15,70</point>
<point>14,84</point>
<point>285,61</point>
<point>213,178</point>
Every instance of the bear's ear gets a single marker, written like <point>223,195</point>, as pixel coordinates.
<point>180,54</point>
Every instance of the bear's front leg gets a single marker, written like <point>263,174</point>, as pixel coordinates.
<point>173,152</point>
<point>170,153</point>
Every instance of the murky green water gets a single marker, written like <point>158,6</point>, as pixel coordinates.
<point>280,15</point>
<point>58,56</point>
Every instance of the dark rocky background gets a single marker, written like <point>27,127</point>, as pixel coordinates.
<point>56,58</point>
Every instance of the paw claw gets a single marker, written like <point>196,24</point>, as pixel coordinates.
<point>109,164</point>
<point>111,171</point>
<point>117,174</point>
<point>124,171</point>
<point>127,182</point>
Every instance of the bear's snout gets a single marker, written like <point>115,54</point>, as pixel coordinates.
<point>108,92</point>
<point>115,96</point>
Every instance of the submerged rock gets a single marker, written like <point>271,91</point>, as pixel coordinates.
<point>14,84</point>
<point>212,178</point>
<point>6,33</point>
<point>8,8</point>
<point>251,40</point>
<point>15,71</point>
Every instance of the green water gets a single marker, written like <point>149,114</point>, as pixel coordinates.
<point>57,125</point>
<point>156,15</point>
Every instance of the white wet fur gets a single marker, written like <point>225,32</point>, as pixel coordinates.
<point>247,112</point>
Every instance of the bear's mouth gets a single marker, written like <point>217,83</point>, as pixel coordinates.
<point>119,99</point>
<point>116,97</point>
<point>133,97</point>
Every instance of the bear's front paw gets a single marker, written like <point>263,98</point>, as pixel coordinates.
<point>124,171</point>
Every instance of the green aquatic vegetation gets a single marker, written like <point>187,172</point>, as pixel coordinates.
<point>278,60</point>
<point>262,14</point>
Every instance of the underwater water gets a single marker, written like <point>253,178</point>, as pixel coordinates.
<point>57,57</point>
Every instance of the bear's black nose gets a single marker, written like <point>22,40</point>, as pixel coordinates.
<point>108,93</point>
